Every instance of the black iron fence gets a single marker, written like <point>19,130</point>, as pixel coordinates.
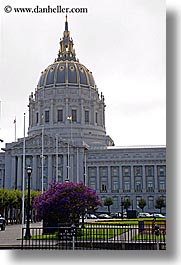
<point>97,236</point>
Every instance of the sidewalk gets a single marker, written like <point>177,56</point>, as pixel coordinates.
<point>8,238</point>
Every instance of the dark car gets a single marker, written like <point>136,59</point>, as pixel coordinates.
<point>2,223</point>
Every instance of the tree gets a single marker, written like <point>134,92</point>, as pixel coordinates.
<point>11,204</point>
<point>160,203</point>
<point>126,204</point>
<point>65,202</point>
<point>108,202</point>
<point>142,204</point>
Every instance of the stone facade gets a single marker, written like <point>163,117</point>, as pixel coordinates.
<point>67,140</point>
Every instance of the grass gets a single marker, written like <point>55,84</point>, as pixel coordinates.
<point>45,237</point>
<point>147,221</point>
<point>86,233</point>
<point>101,233</point>
<point>149,237</point>
<point>89,232</point>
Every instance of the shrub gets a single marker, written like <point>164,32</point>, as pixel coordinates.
<point>65,202</point>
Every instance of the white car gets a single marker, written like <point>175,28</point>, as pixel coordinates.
<point>104,216</point>
<point>91,216</point>
<point>158,215</point>
<point>144,215</point>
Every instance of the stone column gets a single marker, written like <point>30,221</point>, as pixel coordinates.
<point>71,167</point>
<point>132,178</point>
<point>144,180</point>
<point>121,179</point>
<point>13,172</point>
<point>34,174</point>
<point>81,164</point>
<point>66,111</point>
<point>109,188</point>
<point>50,171</point>
<point>98,179</point>
<point>92,114</point>
<point>64,167</point>
<point>155,179</point>
<point>78,166</point>
<point>82,111</point>
<point>19,173</point>
<point>39,113</point>
<point>51,113</point>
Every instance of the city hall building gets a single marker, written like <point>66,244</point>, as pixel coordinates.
<point>67,140</point>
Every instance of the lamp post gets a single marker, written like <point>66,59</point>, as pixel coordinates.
<point>27,235</point>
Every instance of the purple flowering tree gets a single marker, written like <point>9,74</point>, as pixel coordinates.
<point>65,202</point>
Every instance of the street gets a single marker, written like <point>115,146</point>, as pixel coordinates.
<point>12,233</point>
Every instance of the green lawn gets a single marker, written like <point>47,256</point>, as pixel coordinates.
<point>149,237</point>
<point>147,221</point>
<point>86,233</point>
<point>101,232</point>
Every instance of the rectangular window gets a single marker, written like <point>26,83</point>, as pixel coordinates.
<point>103,171</point>
<point>149,171</point>
<point>150,187</point>
<point>47,118</point>
<point>138,198</point>
<point>161,171</point>
<point>92,171</point>
<point>126,171</point>
<point>92,183</point>
<point>74,115</point>
<point>115,186</point>
<point>138,171</point>
<point>59,115</point>
<point>115,203</point>
<point>150,202</point>
<point>126,186</point>
<point>162,186</point>
<point>138,186</point>
<point>87,116</point>
<point>114,171</point>
<point>103,187</point>
<point>96,117</point>
<point>37,118</point>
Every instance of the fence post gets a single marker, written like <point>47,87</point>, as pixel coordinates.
<point>73,228</point>
<point>141,226</point>
<point>157,233</point>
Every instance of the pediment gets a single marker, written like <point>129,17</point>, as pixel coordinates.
<point>34,142</point>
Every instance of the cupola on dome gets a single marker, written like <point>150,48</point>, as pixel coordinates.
<point>66,70</point>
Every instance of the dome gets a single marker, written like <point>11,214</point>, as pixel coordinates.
<point>66,101</point>
<point>70,73</point>
<point>66,70</point>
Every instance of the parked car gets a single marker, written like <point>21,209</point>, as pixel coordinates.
<point>144,215</point>
<point>158,215</point>
<point>2,223</point>
<point>119,215</point>
<point>115,215</point>
<point>104,216</point>
<point>91,216</point>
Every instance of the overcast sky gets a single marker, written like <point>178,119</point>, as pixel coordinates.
<point>122,42</point>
